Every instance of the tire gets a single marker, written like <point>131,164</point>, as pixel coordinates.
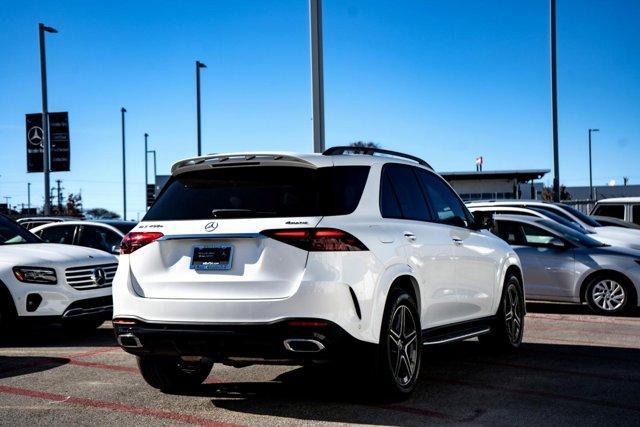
<point>609,295</point>
<point>168,373</point>
<point>85,326</point>
<point>508,327</point>
<point>400,348</point>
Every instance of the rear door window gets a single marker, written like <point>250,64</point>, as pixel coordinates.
<point>407,190</point>
<point>613,211</point>
<point>446,204</point>
<point>510,232</point>
<point>260,192</point>
<point>58,234</point>
<point>389,205</point>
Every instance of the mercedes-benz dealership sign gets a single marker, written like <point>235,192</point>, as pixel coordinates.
<point>60,153</point>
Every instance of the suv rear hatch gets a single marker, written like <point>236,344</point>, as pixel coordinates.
<point>211,221</point>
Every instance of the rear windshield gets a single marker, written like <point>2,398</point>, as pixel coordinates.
<point>260,192</point>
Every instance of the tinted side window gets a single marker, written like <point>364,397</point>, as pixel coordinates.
<point>444,201</point>
<point>613,211</point>
<point>389,206</point>
<point>535,236</point>
<point>510,232</point>
<point>635,212</point>
<point>99,238</point>
<point>407,190</point>
<point>58,234</point>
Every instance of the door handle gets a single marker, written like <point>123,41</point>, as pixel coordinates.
<point>457,242</point>
<point>410,236</point>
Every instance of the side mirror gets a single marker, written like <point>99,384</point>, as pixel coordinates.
<point>483,220</point>
<point>557,243</point>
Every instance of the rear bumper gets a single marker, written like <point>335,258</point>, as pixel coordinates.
<point>293,340</point>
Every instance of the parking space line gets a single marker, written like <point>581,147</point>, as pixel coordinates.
<point>113,406</point>
<point>538,393</point>
<point>102,366</point>
<point>599,321</point>
<point>95,352</point>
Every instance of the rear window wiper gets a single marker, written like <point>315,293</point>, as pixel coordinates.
<point>239,213</point>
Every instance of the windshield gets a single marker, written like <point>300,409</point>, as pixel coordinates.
<point>572,235</point>
<point>582,217</point>
<point>260,192</point>
<point>11,233</point>
<point>561,220</point>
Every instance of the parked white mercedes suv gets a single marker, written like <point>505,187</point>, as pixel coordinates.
<point>286,258</point>
<point>51,282</point>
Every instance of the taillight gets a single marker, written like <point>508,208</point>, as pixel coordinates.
<point>317,239</point>
<point>135,240</point>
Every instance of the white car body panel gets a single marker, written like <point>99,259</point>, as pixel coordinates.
<point>270,280</point>
<point>55,298</point>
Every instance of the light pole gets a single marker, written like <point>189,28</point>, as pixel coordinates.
<point>124,169</point>
<point>317,77</point>
<point>199,65</point>
<point>146,172</point>
<point>29,196</point>
<point>554,104</point>
<point>45,113</point>
<point>591,195</point>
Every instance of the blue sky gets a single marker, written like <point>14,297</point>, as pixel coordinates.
<point>445,80</point>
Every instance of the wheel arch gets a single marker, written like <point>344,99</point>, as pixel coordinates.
<point>607,272</point>
<point>7,298</point>
<point>397,276</point>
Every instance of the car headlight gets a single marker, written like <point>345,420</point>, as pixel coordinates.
<point>39,275</point>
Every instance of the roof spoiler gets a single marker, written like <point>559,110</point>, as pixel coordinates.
<point>220,159</point>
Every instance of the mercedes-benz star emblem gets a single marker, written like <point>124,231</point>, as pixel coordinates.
<point>35,136</point>
<point>211,226</point>
<point>99,277</point>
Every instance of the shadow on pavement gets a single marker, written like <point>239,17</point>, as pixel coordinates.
<point>459,383</point>
<point>13,366</point>
<point>53,335</point>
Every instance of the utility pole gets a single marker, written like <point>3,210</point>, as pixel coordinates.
<point>59,192</point>
<point>591,195</point>
<point>554,104</point>
<point>124,169</point>
<point>45,114</point>
<point>199,65</point>
<point>29,196</point>
<point>317,74</point>
<point>146,172</point>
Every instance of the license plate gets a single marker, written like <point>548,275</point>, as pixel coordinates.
<point>212,257</point>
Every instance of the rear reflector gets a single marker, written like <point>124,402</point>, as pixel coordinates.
<point>308,323</point>
<point>317,239</point>
<point>133,241</point>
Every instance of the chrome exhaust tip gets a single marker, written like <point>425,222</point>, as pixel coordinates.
<point>129,341</point>
<point>302,345</point>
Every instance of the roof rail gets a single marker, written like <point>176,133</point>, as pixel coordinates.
<point>371,151</point>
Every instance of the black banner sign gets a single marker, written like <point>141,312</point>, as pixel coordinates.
<point>59,140</point>
<point>35,146</point>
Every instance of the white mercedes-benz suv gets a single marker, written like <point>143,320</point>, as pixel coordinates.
<point>285,258</point>
<point>52,282</point>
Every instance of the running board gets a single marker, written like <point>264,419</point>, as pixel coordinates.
<point>457,331</point>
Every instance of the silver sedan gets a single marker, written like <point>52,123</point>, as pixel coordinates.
<point>562,264</point>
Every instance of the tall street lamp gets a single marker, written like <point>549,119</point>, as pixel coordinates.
<point>146,172</point>
<point>591,195</point>
<point>554,103</point>
<point>317,74</point>
<point>45,114</point>
<point>124,169</point>
<point>199,65</point>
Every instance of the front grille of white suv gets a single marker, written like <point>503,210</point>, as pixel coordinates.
<point>91,276</point>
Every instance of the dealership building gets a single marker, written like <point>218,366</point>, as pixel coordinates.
<point>497,185</point>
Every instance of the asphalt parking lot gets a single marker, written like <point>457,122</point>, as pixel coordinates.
<point>574,368</point>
